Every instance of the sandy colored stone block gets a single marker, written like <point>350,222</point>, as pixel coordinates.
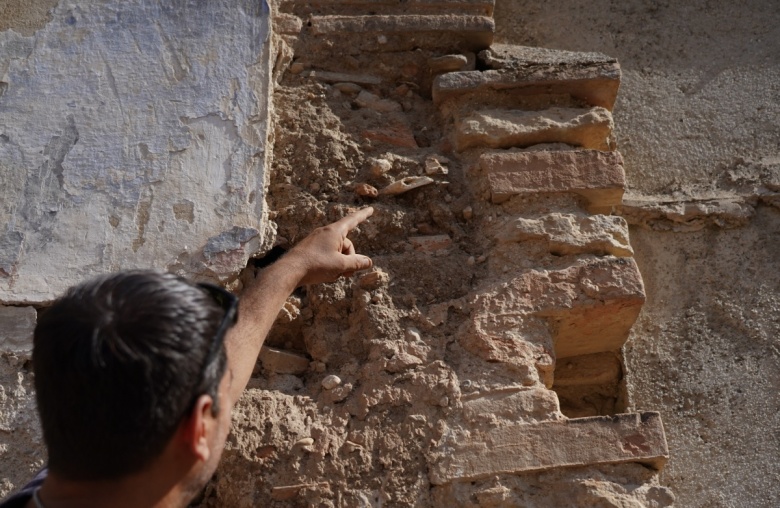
<point>405,32</point>
<point>634,437</point>
<point>496,128</point>
<point>524,71</point>
<point>283,362</point>
<point>588,308</point>
<point>17,325</point>
<point>593,369</point>
<point>287,24</point>
<point>597,176</point>
<point>512,405</point>
<point>569,234</point>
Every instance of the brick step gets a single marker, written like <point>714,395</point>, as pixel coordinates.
<point>523,71</point>
<point>383,33</point>
<point>570,234</point>
<point>499,128</point>
<point>623,438</point>
<point>352,7</point>
<point>588,307</point>
<point>597,176</point>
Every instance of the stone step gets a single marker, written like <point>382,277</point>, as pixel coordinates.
<point>589,307</point>
<point>501,128</point>
<point>570,234</point>
<point>597,176</point>
<point>382,33</point>
<point>522,71</point>
<point>352,7</point>
<point>623,438</point>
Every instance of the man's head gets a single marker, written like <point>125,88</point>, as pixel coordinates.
<point>119,363</point>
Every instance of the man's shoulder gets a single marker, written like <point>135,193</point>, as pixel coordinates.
<point>21,498</point>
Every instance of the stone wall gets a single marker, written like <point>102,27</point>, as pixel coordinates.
<point>697,123</point>
<point>482,361</point>
<point>479,362</point>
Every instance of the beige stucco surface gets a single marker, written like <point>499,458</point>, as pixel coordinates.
<point>699,96</point>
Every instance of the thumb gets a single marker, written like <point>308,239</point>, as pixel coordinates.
<point>358,262</point>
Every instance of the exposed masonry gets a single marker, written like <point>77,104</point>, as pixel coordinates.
<point>482,353</point>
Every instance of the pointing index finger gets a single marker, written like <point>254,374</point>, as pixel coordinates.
<point>352,220</point>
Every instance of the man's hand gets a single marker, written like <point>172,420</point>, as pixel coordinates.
<point>323,256</point>
<point>327,254</point>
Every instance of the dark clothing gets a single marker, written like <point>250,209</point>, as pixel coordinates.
<point>20,499</point>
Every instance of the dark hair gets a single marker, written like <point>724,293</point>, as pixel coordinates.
<point>118,364</point>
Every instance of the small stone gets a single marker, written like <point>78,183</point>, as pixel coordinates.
<point>468,213</point>
<point>373,280</point>
<point>318,366</point>
<point>381,39</point>
<point>380,166</point>
<point>470,261</point>
<point>297,68</point>
<point>447,198</point>
<point>348,88</point>
<point>366,99</point>
<point>330,382</point>
<point>402,90</point>
<point>405,185</point>
<point>304,443</point>
<point>315,187</point>
<point>413,335</point>
<point>434,167</point>
<point>444,401</point>
<point>366,190</point>
<point>350,447</point>
<point>482,258</point>
<point>447,63</point>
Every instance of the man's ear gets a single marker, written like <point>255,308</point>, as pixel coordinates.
<point>197,427</point>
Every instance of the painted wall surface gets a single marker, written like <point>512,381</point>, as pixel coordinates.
<point>132,134</point>
<point>698,109</point>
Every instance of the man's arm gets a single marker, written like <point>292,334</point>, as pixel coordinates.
<point>323,256</point>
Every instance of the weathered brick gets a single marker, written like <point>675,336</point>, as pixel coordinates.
<point>634,437</point>
<point>497,128</point>
<point>589,307</point>
<point>511,405</point>
<point>340,77</point>
<point>351,7</point>
<point>520,70</point>
<point>287,24</point>
<point>568,234</point>
<point>597,176</point>
<point>592,369</point>
<point>406,32</point>
<point>283,362</point>
<point>597,86</point>
<point>16,328</point>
